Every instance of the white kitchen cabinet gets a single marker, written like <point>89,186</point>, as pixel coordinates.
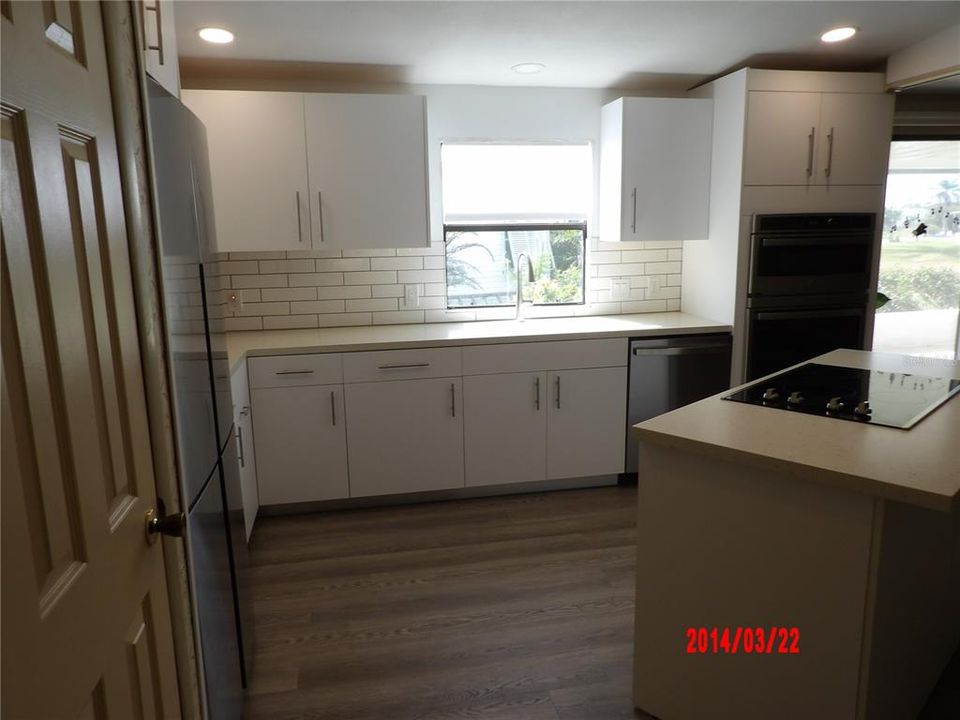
<point>258,168</point>
<point>246,457</point>
<point>505,428</point>
<point>368,170</point>
<point>301,443</point>
<point>404,435</point>
<point>586,417</point>
<point>813,138</point>
<point>159,34</point>
<point>655,169</point>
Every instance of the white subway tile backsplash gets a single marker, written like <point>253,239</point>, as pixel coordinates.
<point>335,288</point>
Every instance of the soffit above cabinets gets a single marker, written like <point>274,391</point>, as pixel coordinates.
<point>656,45</point>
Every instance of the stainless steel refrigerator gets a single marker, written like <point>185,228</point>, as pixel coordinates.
<point>200,377</point>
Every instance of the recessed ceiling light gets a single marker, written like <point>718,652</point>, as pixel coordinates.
<point>215,35</point>
<point>838,34</point>
<point>528,68</point>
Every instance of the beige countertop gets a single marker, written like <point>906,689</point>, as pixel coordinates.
<point>241,345</point>
<point>920,466</point>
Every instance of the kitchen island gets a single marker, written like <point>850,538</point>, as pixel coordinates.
<point>841,540</point>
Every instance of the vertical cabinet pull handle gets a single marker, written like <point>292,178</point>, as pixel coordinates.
<point>634,224</point>
<point>333,407</point>
<point>538,392</point>
<point>829,153</point>
<point>323,235</point>
<point>240,445</point>
<point>810,151</point>
<point>453,399</point>
<point>155,8</point>
<point>557,381</point>
<point>299,221</point>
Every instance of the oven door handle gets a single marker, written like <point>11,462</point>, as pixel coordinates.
<point>810,314</point>
<point>800,241</point>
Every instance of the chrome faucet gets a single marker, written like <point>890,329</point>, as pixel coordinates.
<point>530,278</point>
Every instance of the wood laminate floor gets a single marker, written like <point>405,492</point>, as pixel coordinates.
<point>510,608</point>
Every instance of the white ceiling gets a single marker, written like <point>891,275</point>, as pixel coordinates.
<point>583,44</point>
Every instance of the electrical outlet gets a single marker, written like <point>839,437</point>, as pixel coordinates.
<point>411,296</point>
<point>620,289</point>
<point>656,285</point>
<point>233,301</point>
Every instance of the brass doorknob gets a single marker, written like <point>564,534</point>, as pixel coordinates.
<point>172,525</point>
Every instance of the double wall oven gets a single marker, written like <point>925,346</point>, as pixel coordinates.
<point>809,289</point>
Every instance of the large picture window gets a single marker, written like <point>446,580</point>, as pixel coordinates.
<point>505,201</point>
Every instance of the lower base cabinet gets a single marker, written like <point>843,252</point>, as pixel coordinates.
<point>585,420</point>
<point>301,444</point>
<point>405,436</point>
<point>505,428</point>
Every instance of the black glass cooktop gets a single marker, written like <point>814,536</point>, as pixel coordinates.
<point>898,400</point>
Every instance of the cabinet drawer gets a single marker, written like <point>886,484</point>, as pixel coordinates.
<point>533,356</point>
<point>402,364</point>
<point>292,370</point>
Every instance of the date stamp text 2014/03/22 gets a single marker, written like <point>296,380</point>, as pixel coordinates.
<point>773,640</point>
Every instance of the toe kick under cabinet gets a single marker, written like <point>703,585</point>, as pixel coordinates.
<point>363,424</point>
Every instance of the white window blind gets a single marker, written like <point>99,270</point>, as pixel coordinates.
<point>490,183</point>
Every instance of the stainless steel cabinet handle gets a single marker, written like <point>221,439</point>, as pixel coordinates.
<point>333,407</point>
<point>299,221</point>
<point>634,224</point>
<point>537,382</point>
<point>403,366</point>
<point>453,399</point>
<point>240,445</point>
<point>323,235</point>
<point>810,151</point>
<point>294,372</point>
<point>155,8</point>
<point>557,381</point>
<point>245,410</point>
<point>829,166</point>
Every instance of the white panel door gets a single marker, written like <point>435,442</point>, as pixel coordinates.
<point>258,167</point>
<point>781,139</point>
<point>666,146</point>
<point>505,428</point>
<point>301,444</point>
<point>405,436</point>
<point>586,422</point>
<point>368,170</point>
<point>856,131</point>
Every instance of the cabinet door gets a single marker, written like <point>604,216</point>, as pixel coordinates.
<point>160,38</point>
<point>585,422</point>
<point>781,137</point>
<point>301,444</point>
<point>405,436</point>
<point>243,422</point>
<point>505,428</point>
<point>856,130</point>
<point>666,148</point>
<point>368,170</point>
<point>258,167</point>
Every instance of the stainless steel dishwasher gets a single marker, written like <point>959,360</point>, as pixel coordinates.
<point>670,372</point>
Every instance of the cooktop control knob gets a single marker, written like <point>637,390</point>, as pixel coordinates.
<point>795,398</point>
<point>834,405</point>
<point>862,409</point>
<point>771,395</point>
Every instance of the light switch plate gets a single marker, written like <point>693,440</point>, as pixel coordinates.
<point>620,289</point>
<point>411,296</point>
<point>233,301</point>
<point>656,285</point>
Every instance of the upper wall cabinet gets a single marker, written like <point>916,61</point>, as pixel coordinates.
<point>258,167</point>
<point>655,169</point>
<point>812,138</point>
<point>316,171</point>
<point>367,162</point>
<point>160,43</point>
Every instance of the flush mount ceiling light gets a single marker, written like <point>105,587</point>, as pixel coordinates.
<point>528,68</point>
<point>215,35</point>
<point>838,34</point>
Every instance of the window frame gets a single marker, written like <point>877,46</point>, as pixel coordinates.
<point>522,227</point>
